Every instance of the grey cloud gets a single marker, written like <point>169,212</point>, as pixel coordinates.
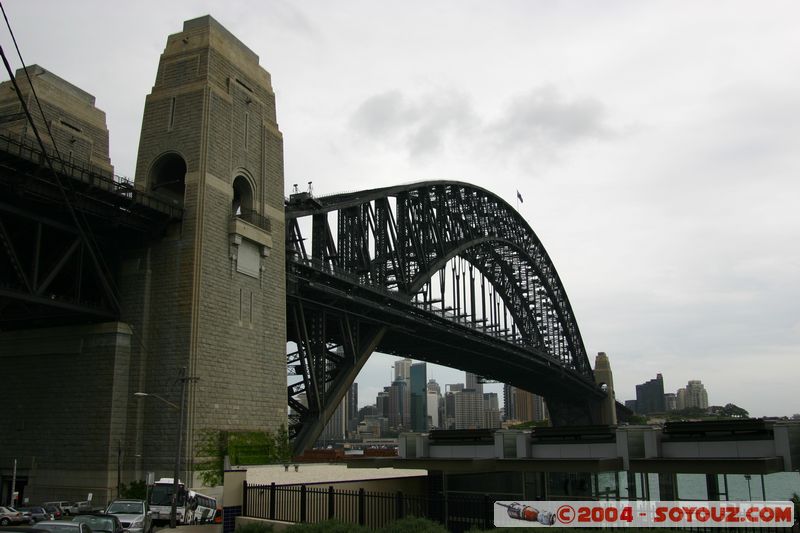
<point>421,124</point>
<point>540,119</point>
<point>544,118</point>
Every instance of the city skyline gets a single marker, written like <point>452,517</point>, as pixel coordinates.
<point>660,173</point>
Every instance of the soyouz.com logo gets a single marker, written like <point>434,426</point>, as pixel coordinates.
<point>643,514</point>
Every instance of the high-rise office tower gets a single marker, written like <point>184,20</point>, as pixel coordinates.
<point>399,408</point>
<point>402,369</point>
<point>473,382</point>
<point>419,397</point>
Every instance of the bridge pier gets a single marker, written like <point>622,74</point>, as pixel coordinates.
<point>69,447</point>
<point>198,282</point>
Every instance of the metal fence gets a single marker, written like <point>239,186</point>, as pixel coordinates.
<point>311,504</point>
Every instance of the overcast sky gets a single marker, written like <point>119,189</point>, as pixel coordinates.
<point>656,146</point>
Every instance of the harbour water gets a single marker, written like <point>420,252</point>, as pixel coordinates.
<point>780,486</point>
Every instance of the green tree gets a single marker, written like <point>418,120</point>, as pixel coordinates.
<point>733,411</point>
<point>137,490</point>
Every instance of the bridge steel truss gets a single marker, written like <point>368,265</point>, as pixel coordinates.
<point>56,268</point>
<point>365,284</point>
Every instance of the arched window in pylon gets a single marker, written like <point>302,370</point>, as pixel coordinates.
<point>242,204</point>
<point>168,177</point>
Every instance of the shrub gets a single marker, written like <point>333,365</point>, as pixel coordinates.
<point>328,526</point>
<point>413,524</point>
<point>254,527</point>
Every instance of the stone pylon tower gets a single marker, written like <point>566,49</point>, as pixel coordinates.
<point>604,378</point>
<point>210,296</point>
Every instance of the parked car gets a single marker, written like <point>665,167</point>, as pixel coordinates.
<point>54,509</point>
<point>133,514</point>
<point>55,526</point>
<point>9,515</point>
<point>84,507</point>
<point>37,514</point>
<point>105,523</point>
<point>26,515</point>
<point>68,508</point>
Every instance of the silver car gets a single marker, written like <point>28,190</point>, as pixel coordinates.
<point>9,515</point>
<point>132,513</point>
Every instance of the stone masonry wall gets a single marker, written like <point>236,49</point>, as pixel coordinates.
<point>184,297</point>
<point>67,447</point>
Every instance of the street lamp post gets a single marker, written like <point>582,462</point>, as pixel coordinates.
<point>173,513</point>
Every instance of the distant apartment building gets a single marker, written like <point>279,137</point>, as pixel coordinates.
<point>650,396</point>
<point>352,409</point>
<point>670,401</point>
<point>508,402</point>
<point>468,405</point>
<point>373,427</point>
<point>528,407</point>
<point>435,405</point>
<point>473,382</point>
<point>491,410</point>
<point>434,386</point>
<point>382,403</point>
<point>693,395</point>
<point>433,410</point>
<point>336,427</point>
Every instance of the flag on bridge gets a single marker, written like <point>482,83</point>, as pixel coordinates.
<point>519,197</point>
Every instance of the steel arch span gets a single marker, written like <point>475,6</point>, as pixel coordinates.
<point>441,271</point>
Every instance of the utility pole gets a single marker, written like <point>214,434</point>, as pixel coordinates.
<point>184,379</point>
<point>13,484</point>
<point>173,514</point>
<point>119,468</point>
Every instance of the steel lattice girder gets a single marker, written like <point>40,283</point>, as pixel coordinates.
<point>393,240</point>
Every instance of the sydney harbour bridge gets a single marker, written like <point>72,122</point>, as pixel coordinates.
<point>272,305</point>
<point>440,271</point>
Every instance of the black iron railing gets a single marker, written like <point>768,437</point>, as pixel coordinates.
<point>98,179</point>
<point>314,503</point>
<point>254,218</point>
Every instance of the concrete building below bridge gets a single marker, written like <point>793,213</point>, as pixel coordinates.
<point>602,462</point>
